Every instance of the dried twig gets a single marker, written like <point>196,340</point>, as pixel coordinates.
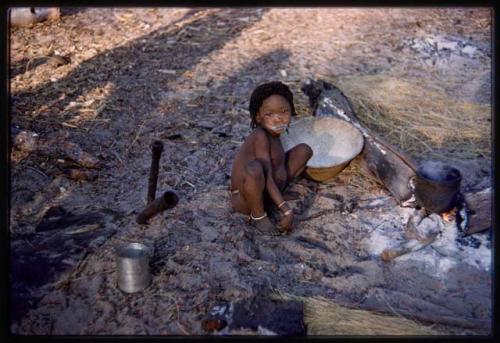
<point>39,172</point>
<point>382,296</point>
<point>314,215</point>
<point>65,282</point>
<point>69,125</point>
<point>188,183</point>
<point>183,329</point>
<point>136,137</point>
<point>118,158</point>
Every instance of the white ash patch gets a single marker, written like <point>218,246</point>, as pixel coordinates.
<point>478,255</point>
<point>387,230</point>
<point>431,262</point>
<point>445,244</point>
<point>443,50</point>
<point>431,224</point>
<point>445,264</point>
<point>379,242</point>
<point>469,50</point>
<point>449,249</point>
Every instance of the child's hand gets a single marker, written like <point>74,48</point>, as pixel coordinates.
<point>285,223</point>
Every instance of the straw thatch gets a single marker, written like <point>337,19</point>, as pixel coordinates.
<point>417,118</point>
<point>324,317</point>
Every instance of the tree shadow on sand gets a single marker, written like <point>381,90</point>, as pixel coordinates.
<point>127,68</point>
<point>175,48</point>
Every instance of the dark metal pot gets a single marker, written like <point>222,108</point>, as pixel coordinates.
<point>437,186</point>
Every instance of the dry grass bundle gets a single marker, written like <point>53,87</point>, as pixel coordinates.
<point>356,174</point>
<point>303,109</point>
<point>419,119</point>
<point>324,317</point>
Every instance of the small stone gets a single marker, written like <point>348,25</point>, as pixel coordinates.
<point>206,124</point>
<point>56,61</point>
<point>167,71</point>
<point>469,50</point>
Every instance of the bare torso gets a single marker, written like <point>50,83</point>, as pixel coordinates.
<point>247,154</point>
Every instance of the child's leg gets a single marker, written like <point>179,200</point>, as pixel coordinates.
<point>296,160</point>
<point>249,199</point>
<point>254,184</point>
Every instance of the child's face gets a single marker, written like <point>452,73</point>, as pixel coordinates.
<point>274,114</point>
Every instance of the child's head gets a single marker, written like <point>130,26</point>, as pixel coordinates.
<point>263,92</point>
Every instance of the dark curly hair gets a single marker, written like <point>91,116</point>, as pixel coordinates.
<point>264,91</point>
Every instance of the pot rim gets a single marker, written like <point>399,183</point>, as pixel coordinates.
<point>420,175</point>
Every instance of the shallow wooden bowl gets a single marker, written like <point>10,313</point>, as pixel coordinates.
<point>334,142</point>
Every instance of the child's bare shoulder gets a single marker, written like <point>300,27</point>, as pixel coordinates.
<point>257,135</point>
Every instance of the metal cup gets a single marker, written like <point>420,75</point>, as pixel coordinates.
<point>133,272</point>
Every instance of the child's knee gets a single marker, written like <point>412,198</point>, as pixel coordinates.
<point>255,170</point>
<point>305,150</point>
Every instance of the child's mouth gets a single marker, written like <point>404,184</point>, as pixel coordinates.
<point>278,128</point>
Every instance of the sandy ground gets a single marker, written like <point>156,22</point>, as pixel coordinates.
<point>184,76</point>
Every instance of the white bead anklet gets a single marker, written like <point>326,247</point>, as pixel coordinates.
<point>258,218</point>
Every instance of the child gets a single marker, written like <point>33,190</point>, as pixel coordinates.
<point>262,169</point>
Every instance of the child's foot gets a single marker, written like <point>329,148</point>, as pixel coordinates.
<point>264,225</point>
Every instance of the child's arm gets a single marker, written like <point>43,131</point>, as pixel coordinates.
<point>262,154</point>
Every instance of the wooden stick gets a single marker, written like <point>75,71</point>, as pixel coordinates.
<point>407,247</point>
<point>481,211</point>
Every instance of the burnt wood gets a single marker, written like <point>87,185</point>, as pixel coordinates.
<point>156,150</point>
<point>479,205</point>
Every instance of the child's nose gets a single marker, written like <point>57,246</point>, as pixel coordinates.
<point>278,116</point>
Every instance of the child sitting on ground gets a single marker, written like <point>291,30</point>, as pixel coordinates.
<point>262,169</point>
